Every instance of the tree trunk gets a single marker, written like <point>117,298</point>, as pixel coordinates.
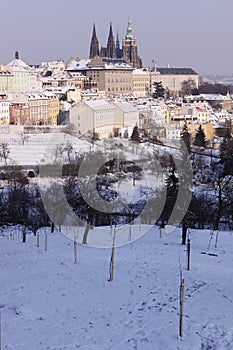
<point>52,227</point>
<point>86,233</point>
<point>24,234</point>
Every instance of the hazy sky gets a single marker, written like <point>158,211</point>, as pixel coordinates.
<point>183,33</point>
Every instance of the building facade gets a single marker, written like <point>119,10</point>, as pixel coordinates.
<point>4,110</point>
<point>25,78</point>
<point>6,80</point>
<point>108,75</point>
<point>103,118</point>
<point>172,78</point>
<point>19,113</point>
<point>94,118</point>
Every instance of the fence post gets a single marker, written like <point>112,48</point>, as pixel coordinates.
<point>160,232</point>
<point>216,240</point>
<point>75,249</point>
<point>45,240</point>
<point>189,250</point>
<point>111,268</point>
<point>38,238</point>
<point>181,307</point>
<point>24,234</point>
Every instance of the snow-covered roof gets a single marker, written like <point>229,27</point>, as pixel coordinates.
<point>5,73</point>
<point>76,75</point>
<point>18,65</point>
<point>75,64</point>
<point>59,89</point>
<point>125,106</point>
<point>116,64</point>
<point>36,96</point>
<point>215,97</point>
<point>140,72</point>
<point>99,104</point>
<point>17,97</point>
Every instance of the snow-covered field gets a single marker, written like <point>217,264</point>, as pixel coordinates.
<point>48,302</point>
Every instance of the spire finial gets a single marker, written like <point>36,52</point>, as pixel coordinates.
<point>129,34</point>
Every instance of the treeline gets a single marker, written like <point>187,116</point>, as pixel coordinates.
<point>23,202</point>
<point>214,88</point>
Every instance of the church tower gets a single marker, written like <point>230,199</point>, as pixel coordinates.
<point>94,48</point>
<point>129,48</point>
<point>111,49</point>
<point>118,48</point>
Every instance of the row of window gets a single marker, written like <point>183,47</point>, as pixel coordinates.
<point>119,81</point>
<point>39,103</point>
<point>20,112</point>
<point>126,88</point>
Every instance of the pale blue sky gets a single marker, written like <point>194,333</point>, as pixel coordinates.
<point>195,34</point>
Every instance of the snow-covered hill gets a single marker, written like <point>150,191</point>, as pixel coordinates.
<point>48,302</point>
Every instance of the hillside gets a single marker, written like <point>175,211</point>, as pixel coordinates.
<point>48,302</point>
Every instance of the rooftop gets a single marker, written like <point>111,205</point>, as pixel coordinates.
<point>176,71</point>
<point>99,104</point>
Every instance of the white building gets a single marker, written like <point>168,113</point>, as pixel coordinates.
<point>126,117</point>
<point>104,118</point>
<point>173,133</point>
<point>26,78</point>
<point>94,118</point>
<point>51,68</point>
<point>4,110</point>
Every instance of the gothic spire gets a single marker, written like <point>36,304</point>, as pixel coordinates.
<point>129,34</point>
<point>94,48</point>
<point>111,49</point>
<point>117,41</point>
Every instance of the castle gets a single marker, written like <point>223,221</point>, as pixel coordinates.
<point>128,52</point>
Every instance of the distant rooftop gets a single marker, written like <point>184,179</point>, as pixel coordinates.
<point>175,71</point>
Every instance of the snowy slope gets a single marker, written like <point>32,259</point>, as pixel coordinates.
<point>48,302</point>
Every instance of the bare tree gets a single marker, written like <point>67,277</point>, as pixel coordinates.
<point>4,152</point>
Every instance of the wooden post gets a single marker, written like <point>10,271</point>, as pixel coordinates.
<point>24,234</point>
<point>45,241</point>
<point>184,233</point>
<point>66,227</point>
<point>160,232</point>
<point>130,232</point>
<point>181,307</point>
<point>75,249</point>
<point>111,268</point>
<point>38,239</point>
<point>189,250</point>
<point>216,240</point>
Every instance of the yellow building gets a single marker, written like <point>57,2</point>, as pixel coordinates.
<point>53,109</point>
<point>141,82</point>
<point>207,127</point>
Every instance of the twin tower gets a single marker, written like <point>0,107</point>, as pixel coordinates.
<point>128,52</point>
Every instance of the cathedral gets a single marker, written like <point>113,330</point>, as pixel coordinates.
<point>128,52</point>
